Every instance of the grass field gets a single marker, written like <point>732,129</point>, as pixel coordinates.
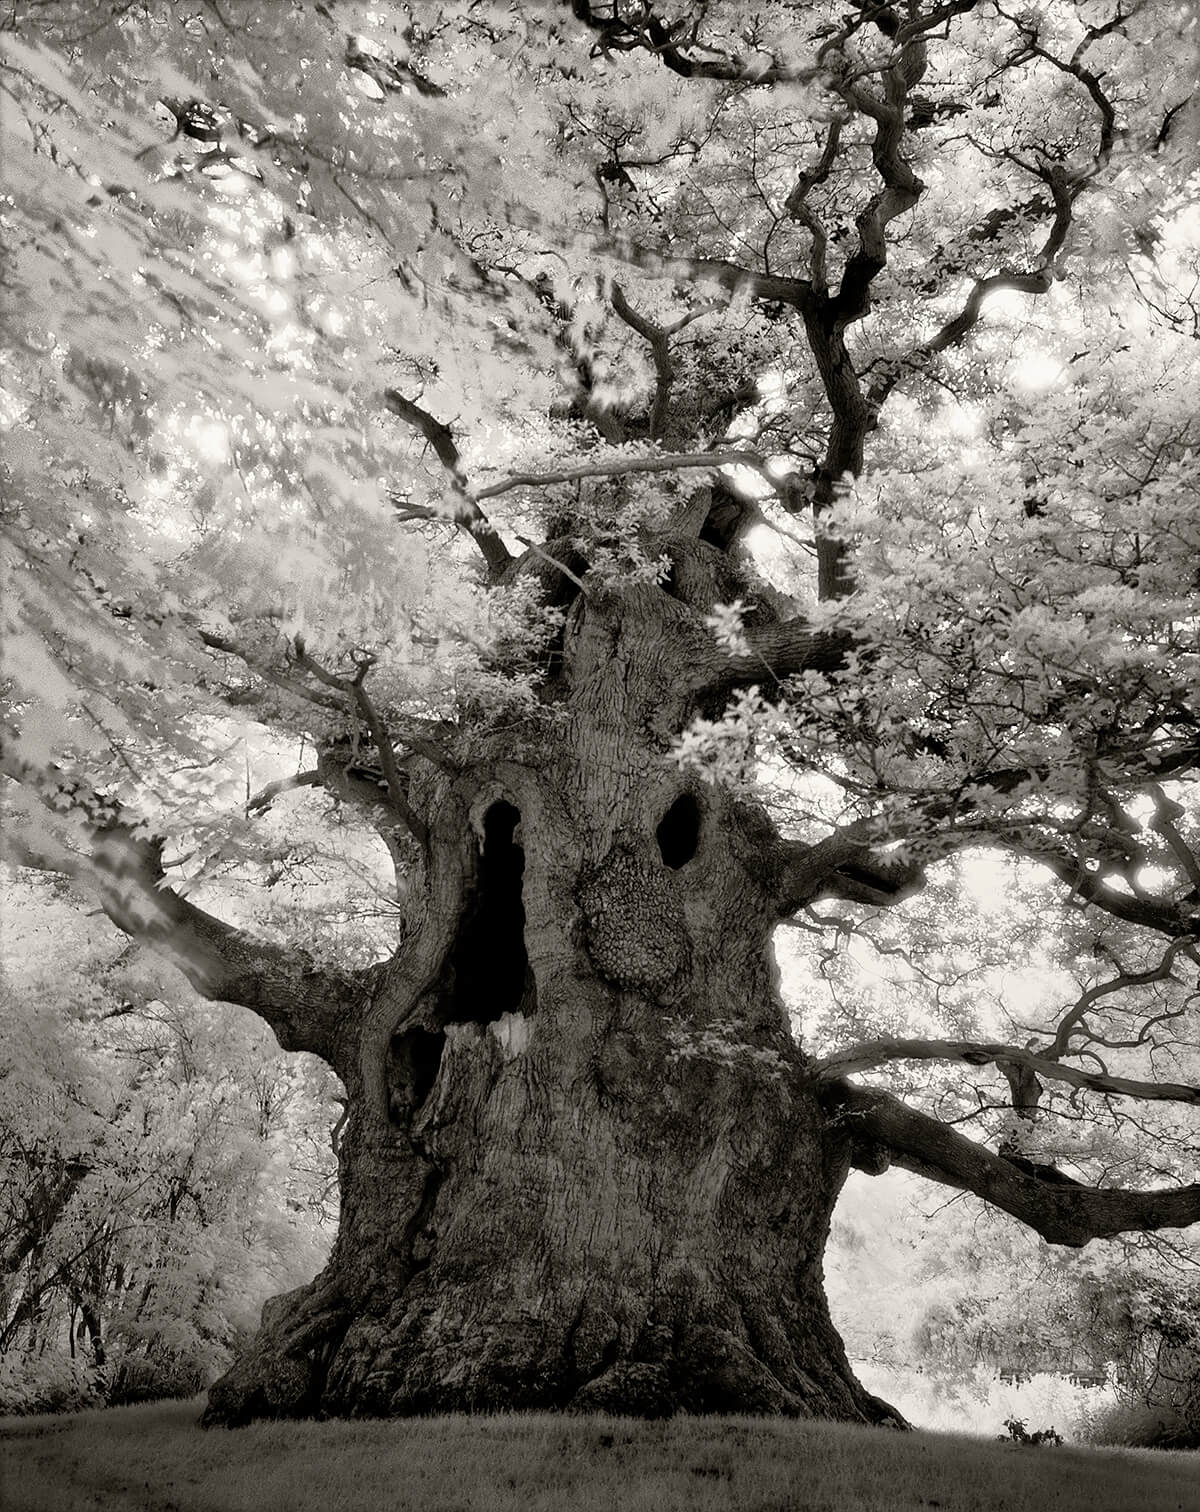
<point>156,1459</point>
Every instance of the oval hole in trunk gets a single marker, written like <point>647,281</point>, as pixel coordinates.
<point>678,832</point>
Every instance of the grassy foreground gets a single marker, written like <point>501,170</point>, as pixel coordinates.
<point>155,1459</point>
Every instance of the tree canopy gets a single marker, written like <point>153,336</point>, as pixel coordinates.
<point>371,370</point>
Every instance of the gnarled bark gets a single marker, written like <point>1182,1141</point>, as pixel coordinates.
<point>585,1164</point>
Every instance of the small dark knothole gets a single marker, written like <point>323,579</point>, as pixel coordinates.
<point>490,967</point>
<point>667,581</point>
<point>678,832</point>
<point>413,1063</point>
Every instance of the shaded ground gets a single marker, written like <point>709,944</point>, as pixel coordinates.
<point>156,1459</point>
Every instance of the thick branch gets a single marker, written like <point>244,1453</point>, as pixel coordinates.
<point>844,865</point>
<point>302,1002</point>
<point>1169,918</point>
<point>1061,1213</point>
<point>900,188</point>
<point>774,652</point>
<point>844,448</point>
<point>731,276</point>
<point>882,1052</point>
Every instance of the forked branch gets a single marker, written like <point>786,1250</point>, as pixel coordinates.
<point>465,511</point>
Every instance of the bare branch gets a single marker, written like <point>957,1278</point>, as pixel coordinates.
<point>1065,1213</point>
<point>553,561</point>
<point>796,205</point>
<point>418,736</point>
<point>266,796</point>
<point>261,667</point>
<point>660,350</point>
<point>1075,1019</point>
<point>618,467</point>
<point>880,1052</point>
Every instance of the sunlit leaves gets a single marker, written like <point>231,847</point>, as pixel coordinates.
<point>199,1159</point>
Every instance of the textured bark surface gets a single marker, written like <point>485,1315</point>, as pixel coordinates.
<point>585,1165</point>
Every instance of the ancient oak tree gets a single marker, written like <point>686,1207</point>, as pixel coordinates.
<point>672,470</point>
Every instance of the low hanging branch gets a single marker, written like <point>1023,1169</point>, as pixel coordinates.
<point>881,1052</point>
<point>1062,1213</point>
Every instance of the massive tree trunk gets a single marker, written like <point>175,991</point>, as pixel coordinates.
<point>584,1165</point>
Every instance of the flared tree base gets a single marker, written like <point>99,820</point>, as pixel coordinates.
<point>314,1357</point>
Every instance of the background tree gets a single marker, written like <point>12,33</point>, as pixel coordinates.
<point>672,472</point>
<point>164,1168</point>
